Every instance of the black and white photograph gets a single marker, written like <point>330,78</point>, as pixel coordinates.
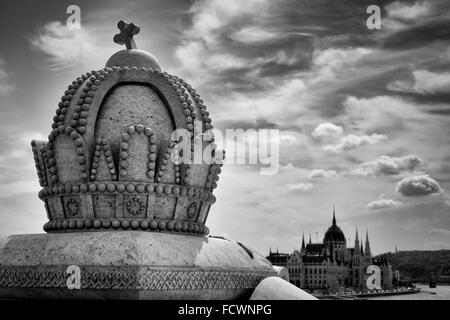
<point>216,150</point>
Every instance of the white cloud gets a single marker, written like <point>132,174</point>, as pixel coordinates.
<point>5,82</point>
<point>418,186</point>
<point>351,142</point>
<point>383,203</point>
<point>64,47</point>
<point>386,165</point>
<point>438,232</point>
<point>327,130</point>
<point>320,173</point>
<point>208,16</point>
<point>381,111</point>
<point>253,34</point>
<point>19,187</point>
<point>330,62</point>
<point>425,82</point>
<point>400,10</point>
<point>337,58</point>
<point>302,186</point>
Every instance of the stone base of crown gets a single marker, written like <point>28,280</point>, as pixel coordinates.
<point>128,265</point>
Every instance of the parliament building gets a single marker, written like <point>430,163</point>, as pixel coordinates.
<point>331,266</point>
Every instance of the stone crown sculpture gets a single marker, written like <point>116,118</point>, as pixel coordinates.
<point>107,162</point>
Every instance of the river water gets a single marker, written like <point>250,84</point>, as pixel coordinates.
<point>442,293</point>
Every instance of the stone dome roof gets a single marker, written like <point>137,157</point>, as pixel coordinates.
<point>133,58</point>
<point>334,233</point>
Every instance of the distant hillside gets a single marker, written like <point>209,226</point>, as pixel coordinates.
<point>420,265</point>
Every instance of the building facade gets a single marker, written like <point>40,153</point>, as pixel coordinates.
<point>331,266</point>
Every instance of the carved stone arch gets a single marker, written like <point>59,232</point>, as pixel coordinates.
<point>103,167</point>
<point>138,154</point>
<point>68,155</point>
<point>115,79</point>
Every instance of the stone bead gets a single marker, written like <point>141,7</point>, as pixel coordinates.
<point>121,187</point>
<point>125,137</point>
<point>131,187</point>
<point>153,225</point>
<point>97,224</point>
<point>159,189</point>
<point>134,224</point>
<point>111,187</point>
<point>140,128</point>
<point>115,224</point>
<point>125,224</point>
<point>72,224</point>
<point>84,188</point>
<point>148,132</point>
<point>102,187</point>
<point>131,130</point>
<point>106,224</point>
<point>140,188</point>
<point>88,223</point>
<point>144,225</point>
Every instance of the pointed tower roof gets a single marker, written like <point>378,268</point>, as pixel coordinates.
<point>356,235</point>
<point>310,238</point>
<point>367,248</point>
<point>362,251</point>
<point>303,240</point>
<point>334,215</point>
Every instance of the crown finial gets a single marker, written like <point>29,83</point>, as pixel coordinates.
<point>127,31</point>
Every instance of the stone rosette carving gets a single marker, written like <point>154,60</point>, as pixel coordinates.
<point>72,207</point>
<point>135,206</point>
<point>192,210</point>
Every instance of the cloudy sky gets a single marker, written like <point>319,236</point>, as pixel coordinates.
<point>363,114</point>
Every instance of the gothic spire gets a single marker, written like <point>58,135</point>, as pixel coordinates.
<point>367,249</point>
<point>303,240</point>
<point>334,216</point>
<point>310,238</point>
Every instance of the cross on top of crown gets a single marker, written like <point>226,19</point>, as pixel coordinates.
<point>127,31</point>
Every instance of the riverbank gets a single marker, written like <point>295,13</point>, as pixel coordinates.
<point>365,295</point>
